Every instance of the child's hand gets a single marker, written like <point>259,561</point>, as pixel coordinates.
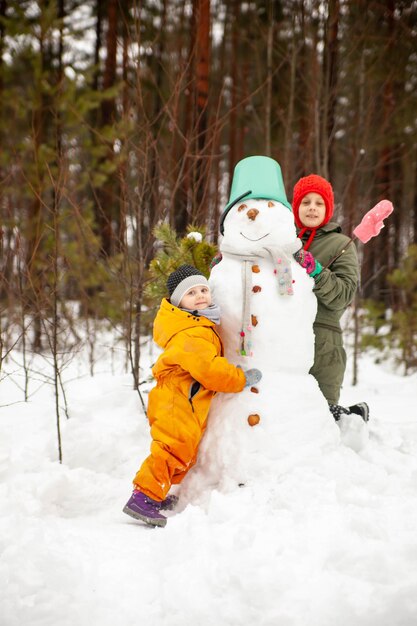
<point>252,376</point>
<point>306,260</point>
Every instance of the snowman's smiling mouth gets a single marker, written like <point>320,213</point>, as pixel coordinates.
<point>259,238</point>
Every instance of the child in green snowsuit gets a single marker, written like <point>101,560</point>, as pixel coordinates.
<point>335,280</point>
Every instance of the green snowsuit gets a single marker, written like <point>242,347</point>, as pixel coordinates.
<point>335,288</point>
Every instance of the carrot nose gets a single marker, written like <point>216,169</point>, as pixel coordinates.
<point>252,213</point>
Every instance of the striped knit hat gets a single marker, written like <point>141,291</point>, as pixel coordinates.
<point>182,280</point>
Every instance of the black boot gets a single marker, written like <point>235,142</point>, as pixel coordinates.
<point>361,409</point>
<point>337,411</point>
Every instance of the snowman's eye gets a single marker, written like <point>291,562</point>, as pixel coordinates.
<point>242,207</point>
<point>270,203</point>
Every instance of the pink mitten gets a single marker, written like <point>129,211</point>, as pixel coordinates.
<point>373,221</point>
<point>307,260</point>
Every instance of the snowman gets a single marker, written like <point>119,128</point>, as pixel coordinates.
<point>267,314</point>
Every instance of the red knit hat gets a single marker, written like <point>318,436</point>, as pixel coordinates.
<point>319,185</point>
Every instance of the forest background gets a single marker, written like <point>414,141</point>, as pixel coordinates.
<point>119,117</point>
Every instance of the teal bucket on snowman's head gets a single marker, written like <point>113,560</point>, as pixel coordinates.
<point>256,177</point>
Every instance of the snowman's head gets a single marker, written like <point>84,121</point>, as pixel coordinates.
<point>255,224</point>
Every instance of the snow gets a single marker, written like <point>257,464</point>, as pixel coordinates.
<point>330,539</point>
<point>196,236</point>
<point>291,522</point>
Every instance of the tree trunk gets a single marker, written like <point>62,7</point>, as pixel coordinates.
<point>106,196</point>
<point>288,168</point>
<point>152,197</point>
<point>4,251</point>
<point>202,165</point>
<point>123,167</point>
<point>307,90</point>
<point>97,45</point>
<point>35,226</point>
<point>234,83</point>
<point>182,191</point>
<point>330,92</point>
<point>381,290</point>
<point>217,174</point>
<point>414,202</point>
<point>269,72</point>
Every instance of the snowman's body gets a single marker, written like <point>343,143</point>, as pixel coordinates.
<point>292,412</point>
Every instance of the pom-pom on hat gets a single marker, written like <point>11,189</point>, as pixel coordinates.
<point>183,279</point>
<point>316,184</point>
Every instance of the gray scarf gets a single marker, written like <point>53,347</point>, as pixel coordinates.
<point>212,313</point>
<point>281,260</point>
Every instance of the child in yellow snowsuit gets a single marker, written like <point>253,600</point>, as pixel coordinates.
<point>188,373</point>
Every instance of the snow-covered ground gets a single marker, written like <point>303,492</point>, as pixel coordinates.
<point>329,541</point>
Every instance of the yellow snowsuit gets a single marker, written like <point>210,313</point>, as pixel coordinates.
<point>188,373</point>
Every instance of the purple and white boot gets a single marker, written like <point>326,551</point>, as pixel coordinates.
<point>142,507</point>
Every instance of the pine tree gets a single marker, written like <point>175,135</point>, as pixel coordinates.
<point>173,251</point>
<point>404,320</point>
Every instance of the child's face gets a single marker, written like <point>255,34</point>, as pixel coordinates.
<point>196,298</point>
<point>312,210</point>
